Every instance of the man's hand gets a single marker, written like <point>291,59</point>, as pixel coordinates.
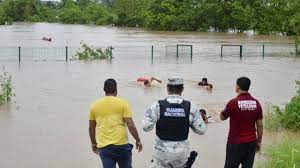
<point>258,146</point>
<point>132,129</point>
<point>95,149</point>
<point>260,131</point>
<point>139,146</point>
<point>222,117</point>
<point>92,131</point>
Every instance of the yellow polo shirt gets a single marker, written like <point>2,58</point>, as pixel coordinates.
<point>108,112</point>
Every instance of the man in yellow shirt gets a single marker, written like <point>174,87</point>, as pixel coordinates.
<point>109,117</point>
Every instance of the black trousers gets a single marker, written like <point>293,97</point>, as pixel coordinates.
<point>237,154</point>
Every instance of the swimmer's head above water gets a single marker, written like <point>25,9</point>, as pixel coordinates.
<point>203,82</point>
<point>147,83</point>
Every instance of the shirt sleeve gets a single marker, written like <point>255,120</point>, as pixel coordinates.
<point>92,115</point>
<point>151,116</point>
<point>127,110</point>
<point>196,122</point>
<point>227,110</point>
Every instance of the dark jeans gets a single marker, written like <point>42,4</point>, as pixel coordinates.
<point>116,154</point>
<point>237,154</point>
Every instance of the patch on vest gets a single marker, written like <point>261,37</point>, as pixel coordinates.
<point>174,112</point>
<point>247,105</point>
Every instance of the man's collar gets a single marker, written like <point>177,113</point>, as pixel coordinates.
<point>244,94</point>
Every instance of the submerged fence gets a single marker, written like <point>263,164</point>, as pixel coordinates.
<point>187,51</point>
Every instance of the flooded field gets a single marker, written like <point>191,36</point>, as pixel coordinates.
<point>46,125</point>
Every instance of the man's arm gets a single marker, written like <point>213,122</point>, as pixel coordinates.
<point>92,132</point>
<point>226,112</point>
<point>197,123</point>
<point>222,116</point>
<point>260,131</point>
<point>151,117</point>
<point>133,131</point>
<point>156,79</point>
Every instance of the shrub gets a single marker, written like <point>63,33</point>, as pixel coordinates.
<point>6,88</point>
<point>272,118</point>
<point>89,53</point>
<point>288,118</point>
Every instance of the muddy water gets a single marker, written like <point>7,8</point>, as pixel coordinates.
<point>47,123</point>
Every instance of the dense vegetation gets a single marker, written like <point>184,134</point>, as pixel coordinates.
<point>285,154</point>
<point>262,16</point>
<point>287,118</point>
<point>86,52</point>
<point>6,88</point>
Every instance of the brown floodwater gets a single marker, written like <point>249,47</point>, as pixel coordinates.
<point>46,124</point>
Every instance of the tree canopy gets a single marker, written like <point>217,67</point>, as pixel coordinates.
<point>262,16</point>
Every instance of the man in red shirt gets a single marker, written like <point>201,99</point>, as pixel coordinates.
<point>246,127</point>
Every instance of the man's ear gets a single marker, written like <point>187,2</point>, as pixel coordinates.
<point>237,88</point>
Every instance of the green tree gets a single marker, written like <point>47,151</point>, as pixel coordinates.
<point>25,9</point>
<point>129,12</point>
<point>242,15</point>
<point>83,3</point>
<point>71,13</point>
<point>171,15</point>
<point>97,14</point>
<point>3,16</point>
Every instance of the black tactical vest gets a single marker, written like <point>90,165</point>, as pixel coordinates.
<point>173,124</point>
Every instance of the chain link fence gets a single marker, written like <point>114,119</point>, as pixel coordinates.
<point>154,53</point>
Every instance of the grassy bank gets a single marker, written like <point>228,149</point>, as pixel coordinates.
<point>285,154</point>
<point>284,150</point>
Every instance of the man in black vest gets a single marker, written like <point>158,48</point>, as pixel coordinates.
<point>173,117</point>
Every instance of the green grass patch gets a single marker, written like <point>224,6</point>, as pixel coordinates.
<point>283,155</point>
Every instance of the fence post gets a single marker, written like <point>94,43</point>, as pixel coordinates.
<point>221,51</point>
<point>191,51</point>
<point>19,54</point>
<point>66,53</point>
<point>263,50</point>
<point>241,51</point>
<point>152,54</point>
<point>177,52</point>
<point>296,45</point>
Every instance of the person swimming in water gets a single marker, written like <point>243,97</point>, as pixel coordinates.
<point>47,39</point>
<point>205,84</point>
<point>148,81</point>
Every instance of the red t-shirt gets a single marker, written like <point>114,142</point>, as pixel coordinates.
<point>243,111</point>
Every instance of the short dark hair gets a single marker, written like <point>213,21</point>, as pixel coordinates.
<point>202,111</point>
<point>204,79</point>
<point>177,89</point>
<point>244,83</point>
<point>110,86</point>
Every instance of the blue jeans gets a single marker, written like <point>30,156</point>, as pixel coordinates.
<point>116,154</point>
